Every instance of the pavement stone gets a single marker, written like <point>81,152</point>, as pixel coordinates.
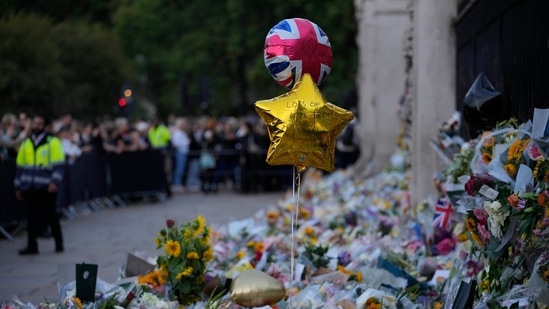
<point>107,236</point>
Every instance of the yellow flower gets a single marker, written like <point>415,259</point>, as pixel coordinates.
<point>545,275</point>
<point>513,150</point>
<point>192,255</point>
<point>484,285</point>
<point>510,169</point>
<point>461,237</point>
<point>309,231</point>
<point>250,244</point>
<point>477,240</point>
<point>438,305</point>
<point>208,254</point>
<point>157,242</point>
<point>187,234</point>
<point>486,157</point>
<point>173,248</point>
<point>77,302</point>
<point>240,254</point>
<point>471,224</point>
<point>305,214</point>
<point>259,247</point>
<point>185,273</point>
<point>359,276</point>
<point>201,225</point>
<point>273,215</point>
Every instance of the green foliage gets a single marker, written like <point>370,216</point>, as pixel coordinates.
<point>57,58</point>
<point>179,42</point>
<point>317,255</point>
<point>70,66</point>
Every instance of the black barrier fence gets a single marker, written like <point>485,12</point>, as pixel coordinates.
<point>96,180</point>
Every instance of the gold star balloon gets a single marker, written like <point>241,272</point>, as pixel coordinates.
<point>303,127</point>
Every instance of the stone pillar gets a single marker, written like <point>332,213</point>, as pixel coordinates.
<point>380,81</point>
<point>433,87</point>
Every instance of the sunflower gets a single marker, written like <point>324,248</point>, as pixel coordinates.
<point>173,248</point>
<point>201,225</point>
<point>192,255</point>
<point>510,169</point>
<point>470,224</point>
<point>208,254</point>
<point>185,273</point>
<point>477,240</point>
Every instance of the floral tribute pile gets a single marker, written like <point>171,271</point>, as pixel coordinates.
<point>359,242</point>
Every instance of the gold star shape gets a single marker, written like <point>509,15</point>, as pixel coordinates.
<point>303,127</point>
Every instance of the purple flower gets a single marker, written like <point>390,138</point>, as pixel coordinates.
<point>344,258</point>
<point>481,215</point>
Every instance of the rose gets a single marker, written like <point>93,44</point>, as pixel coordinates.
<point>170,223</point>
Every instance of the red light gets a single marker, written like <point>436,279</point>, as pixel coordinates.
<point>122,102</point>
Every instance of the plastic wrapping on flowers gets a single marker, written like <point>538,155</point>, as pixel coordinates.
<point>359,243</point>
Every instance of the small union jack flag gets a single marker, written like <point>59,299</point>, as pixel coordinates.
<point>443,212</point>
<point>297,46</point>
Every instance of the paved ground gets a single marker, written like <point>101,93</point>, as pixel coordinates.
<point>105,238</point>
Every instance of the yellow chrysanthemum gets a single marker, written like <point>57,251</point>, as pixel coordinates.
<point>510,169</point>
<point>193,255</point>
<point>172,248</point>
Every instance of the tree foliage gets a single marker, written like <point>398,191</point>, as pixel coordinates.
<point>183,43</point>
<point>75,55</point>
<point>71,66</point>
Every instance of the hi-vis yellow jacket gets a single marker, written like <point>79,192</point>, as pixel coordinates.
<point>159,137</point>
<point>39,165</point>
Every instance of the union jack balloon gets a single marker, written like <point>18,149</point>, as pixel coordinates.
<point>297,46</point>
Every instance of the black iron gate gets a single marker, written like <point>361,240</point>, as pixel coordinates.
<point>508,40</point>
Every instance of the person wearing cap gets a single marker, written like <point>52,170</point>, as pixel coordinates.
<point>40,168</point>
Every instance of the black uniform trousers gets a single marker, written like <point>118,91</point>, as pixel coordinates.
<point>41,211</point>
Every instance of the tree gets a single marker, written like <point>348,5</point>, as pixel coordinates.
<point>223,40</point>
<point>67,67</point>
<point>30,75</point>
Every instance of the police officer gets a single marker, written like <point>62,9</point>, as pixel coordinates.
<point>40,166</point>
<point>160,140</point>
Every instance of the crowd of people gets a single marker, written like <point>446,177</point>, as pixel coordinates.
<point>236,145</point>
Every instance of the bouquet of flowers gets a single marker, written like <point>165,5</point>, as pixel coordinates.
<point>187,252</point>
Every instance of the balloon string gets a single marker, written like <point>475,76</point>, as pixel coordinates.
<point>295,217</point>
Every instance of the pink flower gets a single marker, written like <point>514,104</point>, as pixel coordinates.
<point>446,246</point>
<point>484,234</point>
<point>481,215</point>
<point>534,152</point>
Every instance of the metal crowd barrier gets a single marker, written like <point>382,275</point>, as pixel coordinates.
<point>92,182</point>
